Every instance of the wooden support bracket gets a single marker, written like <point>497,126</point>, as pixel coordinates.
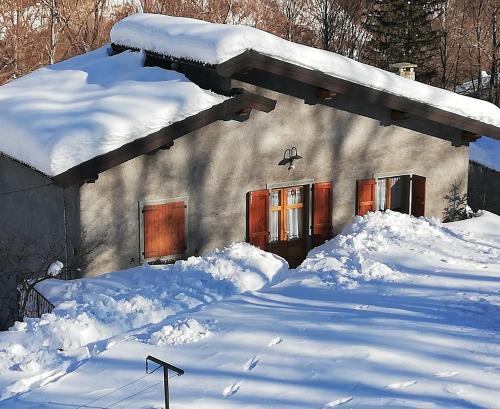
<point>468,137</point>
<point>398,115</point>
<point>325,94</point>
<point>244,113</point>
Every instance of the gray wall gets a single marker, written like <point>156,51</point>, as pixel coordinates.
<point>32,222</point>
<point>484,188</point>
<point>216,166</point>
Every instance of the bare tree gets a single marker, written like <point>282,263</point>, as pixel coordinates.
<point>338,24</point>
<point>24,262</point>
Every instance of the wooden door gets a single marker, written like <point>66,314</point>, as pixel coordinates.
<point>164,230</point>
<point>418,195</point>
<point>365,196</point>
<point>289,223</point>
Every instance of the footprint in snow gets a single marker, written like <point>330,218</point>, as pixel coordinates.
<point>251,363</point>
<point>337,402</point>
<point>275,341</point>
<point>446,374</point>
<point>231,389</point>
<point>399,385</point>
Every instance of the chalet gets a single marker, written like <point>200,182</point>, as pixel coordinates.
<point>182,136</point>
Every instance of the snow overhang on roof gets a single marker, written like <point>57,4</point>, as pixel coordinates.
<point>77,118</point>
<point>234,49</point>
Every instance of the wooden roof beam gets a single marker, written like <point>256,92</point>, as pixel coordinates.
<point>325,94</point>
<point>468,137</point>
<point>162,139</point>
<point>252,59</point>
<point>397,115</point>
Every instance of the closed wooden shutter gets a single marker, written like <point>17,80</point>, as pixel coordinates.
<point>322,213</point>
<point>366,196</point>
<point>418,196</point>
<point>405,194</point>
<point>164,229</point>
<point>258,218</point>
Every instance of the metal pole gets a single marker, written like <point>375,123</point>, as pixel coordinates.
<point>165,386</point>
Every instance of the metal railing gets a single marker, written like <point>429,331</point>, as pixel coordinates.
<point>35,303</point>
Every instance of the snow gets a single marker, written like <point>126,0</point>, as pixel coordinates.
<point>89,313</point>
<point>331,333</point>
<point>64,114</point>
<point>55,268</point>
<point>486,151</point>
<point>216,43</point>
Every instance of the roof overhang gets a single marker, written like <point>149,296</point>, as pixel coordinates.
<point>237,107</point>
<point>237,66</point>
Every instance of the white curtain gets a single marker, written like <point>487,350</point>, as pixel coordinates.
<point>274,222</point>
<point>381,191</point>
<point>294,216</point>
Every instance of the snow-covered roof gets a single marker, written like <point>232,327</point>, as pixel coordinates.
<point>62,115</point>
<point>217,43</point>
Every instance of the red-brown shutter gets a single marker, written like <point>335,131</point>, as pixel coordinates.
<point>176,228</point>
<point>322,213</point>
<point>258,218</point>
<point>366,196</point>
<point>164,229</point>
<point>418,196</point>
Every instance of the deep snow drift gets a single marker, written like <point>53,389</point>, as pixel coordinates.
<point>216,43</point>
<point>90,312</point>
<point>396,312</point>
<point>64,114</point>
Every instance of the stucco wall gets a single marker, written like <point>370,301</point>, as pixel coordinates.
<point>215,167</point>
<point>32,220</point>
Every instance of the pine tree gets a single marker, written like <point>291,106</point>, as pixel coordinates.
<point>457,204</point>
<point>402,31</point>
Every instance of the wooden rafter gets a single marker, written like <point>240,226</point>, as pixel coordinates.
<point>325,94</point>
<point>398,115</point>
<point>162,139</point>
<point>255,60</point>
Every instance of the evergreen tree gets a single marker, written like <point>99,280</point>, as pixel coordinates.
<point>457,204</point>
<point>402,31</point>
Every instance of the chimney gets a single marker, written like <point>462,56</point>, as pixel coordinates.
<point>405,69</point>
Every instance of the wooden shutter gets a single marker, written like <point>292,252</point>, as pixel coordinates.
<point>418,196</point>
<point>405,194</point>
<point>164,229</point>
<point>258,218</point>
<point>366,196</point>
<point>322,213</point>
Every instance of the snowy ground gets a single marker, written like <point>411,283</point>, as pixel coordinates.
<point>396,312</point>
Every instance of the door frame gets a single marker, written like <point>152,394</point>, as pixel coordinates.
<point>141,205</point>
<point>295,183</point>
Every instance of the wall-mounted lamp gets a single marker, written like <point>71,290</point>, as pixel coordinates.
<point>289,157</point>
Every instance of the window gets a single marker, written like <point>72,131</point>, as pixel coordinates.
<point>405,194</point>
<point>287,220</point>
<point>391,193</point>
<point>287,214</point>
